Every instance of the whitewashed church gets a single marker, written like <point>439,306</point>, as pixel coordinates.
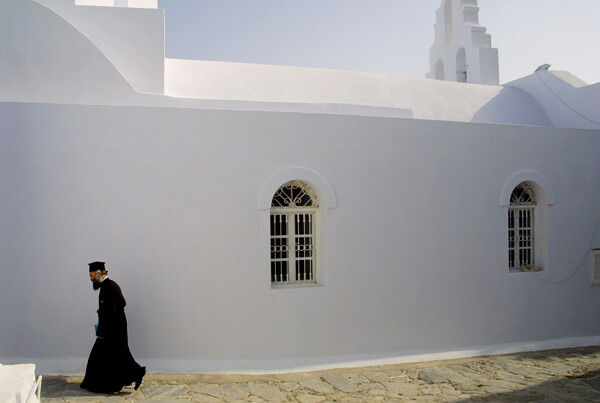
<point>267,218</point>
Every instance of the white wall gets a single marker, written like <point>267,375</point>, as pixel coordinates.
<point>414,257</point>
<point>568,101</point>
<point>132,39</point>
<point>54,62</point>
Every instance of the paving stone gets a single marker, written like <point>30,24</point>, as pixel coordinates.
<point>432,375</point>
<point>356,378</point>
<point>430,390</point>
<point>238,391</point>
<point>117,399</point>
<point>361,396</point>
<point>500,384</point>
<point>453,376</point>
<point>317,386</point>
<point>538,377</point>
<point>594,382</point>
<point>473,375</point>
<point>170,401</point>
<point>132,395</point>
<point>164,392</point>
<point>376,392</point>
<point>380,377</point>
<point>507,376</point>
<point>592,395</point>
<point>288,386</point>
<point>81,395</point>
<point>477,390</point>
<point>519,370</point>
<point>494,390</point>
<point>349,399</point>
<point>52,387</point>
<point>340,383</point>
<point>559,370</point>
<point>266,392</point>
<point>215,390</point>
<point>205,399</point>
<point>310,398</point>
<point>366,387</point>
<point>402,388</point>
<point>74,390</point>
<point>336,395</point>
<point>448,391</point>
<point>396,373</point>
<point>297,377</point>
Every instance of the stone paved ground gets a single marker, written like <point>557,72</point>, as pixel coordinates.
<point>569,375</point>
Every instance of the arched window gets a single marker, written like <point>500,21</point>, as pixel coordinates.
<point>521,231</point>
<point>439,70</point>
<point>294,211</point>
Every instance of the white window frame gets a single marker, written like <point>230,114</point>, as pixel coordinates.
<point>296,265</point>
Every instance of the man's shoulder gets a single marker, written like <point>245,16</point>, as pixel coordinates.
<point>108,283</point>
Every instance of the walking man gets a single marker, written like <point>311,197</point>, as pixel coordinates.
<point>110,365</point>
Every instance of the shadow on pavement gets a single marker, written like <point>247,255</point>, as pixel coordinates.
<point>63,387</point>
<point>584,387</point>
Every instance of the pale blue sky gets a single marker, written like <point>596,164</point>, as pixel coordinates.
<point>381,36</point>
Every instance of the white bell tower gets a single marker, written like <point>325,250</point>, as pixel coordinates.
<point>461,50</point>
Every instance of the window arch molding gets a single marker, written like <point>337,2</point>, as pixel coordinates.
<point>325,201</point>
<point>532,177</point>
<point>526,242</point>
<point>318,183</point>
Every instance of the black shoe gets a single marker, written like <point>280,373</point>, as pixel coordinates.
<point>138,381</point>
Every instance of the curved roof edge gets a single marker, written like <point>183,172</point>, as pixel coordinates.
<point>61,67</point>
<point>357,91</point>
<point>568,101</point>
<point>132,38</point>
<point>81,64</point>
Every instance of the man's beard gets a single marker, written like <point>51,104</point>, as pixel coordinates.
<point>96,285</point>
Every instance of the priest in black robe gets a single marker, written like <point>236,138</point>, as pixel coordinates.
<point>110,365</point>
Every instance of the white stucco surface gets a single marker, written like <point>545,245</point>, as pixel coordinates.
<point>568,101</point>
<point>85,62</point>
<point>63,66</point>
<point>172,189</point>
<point>428,99</point>
<point>412,259</point>
<point>132,39</point>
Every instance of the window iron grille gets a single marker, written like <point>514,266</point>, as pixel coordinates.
<point>293,246</point>
<point>595,267</point>
<point>294,194</point>
<point>521,234</point>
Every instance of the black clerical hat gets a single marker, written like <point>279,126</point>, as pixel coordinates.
<point>95,266</point>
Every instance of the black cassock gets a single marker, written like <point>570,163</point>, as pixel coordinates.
<point>111,365</point>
